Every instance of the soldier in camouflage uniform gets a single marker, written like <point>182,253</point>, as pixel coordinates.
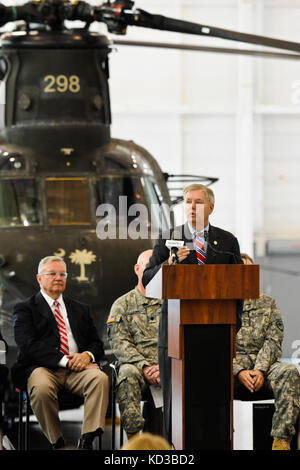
<point>258,350</point>
<point>132,328</point>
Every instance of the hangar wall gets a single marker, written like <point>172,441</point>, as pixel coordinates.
<point>232,117</point>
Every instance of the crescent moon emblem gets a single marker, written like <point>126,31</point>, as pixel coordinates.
<point>60,252</point>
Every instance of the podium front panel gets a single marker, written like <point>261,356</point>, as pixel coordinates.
<point>207,387</point>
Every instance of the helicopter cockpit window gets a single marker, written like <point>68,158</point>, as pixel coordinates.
<point>160,211</point>
<point>123,199</point>
<point>111,188</point>
<point>67,201</point>
<point>117,198</point>
<point>19,203</point>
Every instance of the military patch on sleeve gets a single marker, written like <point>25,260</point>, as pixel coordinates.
<point>112,318</point>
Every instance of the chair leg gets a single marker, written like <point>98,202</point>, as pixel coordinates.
<point>20,424</point>
<point>113,418</point>
<point>100,442</point>
<point>1,439</point>
<point>121,434</point>
<point>1,424</point>
<point>23,428</point>
<point>113,421</point>
<point>113,405</point>
<point>27,421</point>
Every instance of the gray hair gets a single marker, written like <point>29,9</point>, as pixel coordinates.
<point>49,259</point>
<point>196,186</point>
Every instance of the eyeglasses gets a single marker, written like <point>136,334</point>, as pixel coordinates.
<point>53,275</point>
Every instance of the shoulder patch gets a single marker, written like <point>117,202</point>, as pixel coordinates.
<point>112,318</point>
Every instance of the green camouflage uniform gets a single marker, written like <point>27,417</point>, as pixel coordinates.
<point>259,348</point>
<point>132,329</point>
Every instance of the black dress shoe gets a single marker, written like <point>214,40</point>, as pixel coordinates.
<point>86,440</point>
<point>59,444</point>
<point>85,443</point>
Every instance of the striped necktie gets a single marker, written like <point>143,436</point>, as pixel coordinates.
<point>64,345</point>
<point>200,251</point>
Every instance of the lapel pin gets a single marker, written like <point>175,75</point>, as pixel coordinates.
<point>215,242</point>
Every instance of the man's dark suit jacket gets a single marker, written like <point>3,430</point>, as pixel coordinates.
<point>37,335</point>
<point>226,246</point>
<point>225,251</point>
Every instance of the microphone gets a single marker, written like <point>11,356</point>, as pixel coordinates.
<point>236,260</point>
<point>174,246</point>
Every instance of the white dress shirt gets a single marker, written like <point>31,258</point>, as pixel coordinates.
<point>73,348</point>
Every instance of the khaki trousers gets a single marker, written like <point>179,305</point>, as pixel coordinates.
<point>43,386</point>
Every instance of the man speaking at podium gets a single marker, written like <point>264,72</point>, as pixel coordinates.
<point>201,244</point>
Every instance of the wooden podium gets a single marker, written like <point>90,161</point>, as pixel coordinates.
<point>201,343</point>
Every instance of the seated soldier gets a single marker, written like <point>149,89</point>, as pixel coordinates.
<point>258,350</point>
<point>132,328</point>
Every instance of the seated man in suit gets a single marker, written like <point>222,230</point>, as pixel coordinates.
<point>58,348</point>
<point>257,364</point>
<point>203,244</point>
<point>132,329</point>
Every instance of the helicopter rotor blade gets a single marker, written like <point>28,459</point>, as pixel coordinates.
<point>120,14</point>
<point>194,48</point>
<point>183,180</point>
<point>147,20</point>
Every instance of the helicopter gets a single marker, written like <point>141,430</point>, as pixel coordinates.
<point>59,166</point>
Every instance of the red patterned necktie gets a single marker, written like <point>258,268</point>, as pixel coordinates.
<point>200,251</point>
<point>64,345</point>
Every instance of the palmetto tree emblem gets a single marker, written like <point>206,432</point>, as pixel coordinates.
<point>82,257</point>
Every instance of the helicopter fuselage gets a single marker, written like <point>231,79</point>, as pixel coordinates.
<point>59,167</point>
